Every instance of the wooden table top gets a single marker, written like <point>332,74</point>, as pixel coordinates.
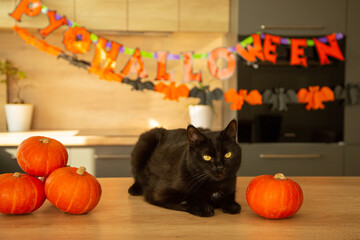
<point>331,210</point>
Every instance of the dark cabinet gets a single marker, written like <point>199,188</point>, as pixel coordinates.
<point>307,17</point>
<point>292,159</point>
<point>112,161</point>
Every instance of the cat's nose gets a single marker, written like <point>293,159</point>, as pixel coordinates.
<point>220,168</point>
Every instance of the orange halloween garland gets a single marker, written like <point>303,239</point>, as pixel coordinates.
<point>314,96</point>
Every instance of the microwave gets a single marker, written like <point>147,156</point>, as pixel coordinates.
<point>260,123</point>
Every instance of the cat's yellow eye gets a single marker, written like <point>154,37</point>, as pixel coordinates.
<point>206,157</point>
<point>228,155</point>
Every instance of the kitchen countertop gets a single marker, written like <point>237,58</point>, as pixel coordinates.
<point>331,210</point>
<point>72,137</point>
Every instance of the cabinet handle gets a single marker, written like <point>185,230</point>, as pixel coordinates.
<point>263,27</point>
<point>123,156</point>
<point>292,156</point>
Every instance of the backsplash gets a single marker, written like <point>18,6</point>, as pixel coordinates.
<point>67,97</point>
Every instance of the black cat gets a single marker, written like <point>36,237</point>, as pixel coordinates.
<point>189,169</point>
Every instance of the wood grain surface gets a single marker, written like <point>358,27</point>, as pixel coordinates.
<point>331,210</point>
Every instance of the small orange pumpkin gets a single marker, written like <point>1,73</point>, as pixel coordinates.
<point>274,197</point>
<point>20,193</point>
<point>39,156</point>
<point>73,190</point>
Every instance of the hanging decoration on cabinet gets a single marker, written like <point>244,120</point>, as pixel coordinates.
<point>351,93</point>
<point>257,46</point>
<point>205,95</point>
<point>138,84</point>
<point>172,92</point>
<point>314,96</point>
<point>238,98</point>
<point>279,98</point>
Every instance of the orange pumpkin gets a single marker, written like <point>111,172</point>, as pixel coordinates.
<point>39,156</point>
<point>274,197</point>
<point>73,190</point>
<point>20,193</point>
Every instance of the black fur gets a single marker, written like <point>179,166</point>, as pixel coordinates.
<point>169,169</point>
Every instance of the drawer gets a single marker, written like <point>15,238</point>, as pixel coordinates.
<point>292,159</point>
<point>113,161</point>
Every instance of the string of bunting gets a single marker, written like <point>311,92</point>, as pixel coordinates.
<point>256,47</point>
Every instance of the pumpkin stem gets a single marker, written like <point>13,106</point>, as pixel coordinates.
<point>16,174</point>
<point>81,171</point>
<point>279,176</point>
<point>44,140</point>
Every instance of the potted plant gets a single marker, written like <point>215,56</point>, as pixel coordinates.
<point>18,113</point>
<point>201,114</point>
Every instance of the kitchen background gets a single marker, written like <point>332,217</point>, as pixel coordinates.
<point>66,97</point>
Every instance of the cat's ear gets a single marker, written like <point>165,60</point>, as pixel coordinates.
<point>194,135</point>
<point>230,130</point>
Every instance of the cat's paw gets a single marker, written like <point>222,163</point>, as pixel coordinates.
<point>204,210</point>
<point>135,189</point>
<point>232,208</point>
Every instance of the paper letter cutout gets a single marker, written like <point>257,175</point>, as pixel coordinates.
<point>135,64</point>
<point>333,50</point>
<point>54,24</point>
<point>188,69</point>
<point>107,71</point>
<point>253,52</point>
<point>270,48</point>
<point>297,52</point>
<point>77,40</point>
<point>161,73</point>
<point>226,72</point>
<point>23,7</point>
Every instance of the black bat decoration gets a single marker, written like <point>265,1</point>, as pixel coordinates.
<point>351,93</point>
<point>138,84</point>
<point>205,95</point>
<point>279,98</point>
<point>74,61</point>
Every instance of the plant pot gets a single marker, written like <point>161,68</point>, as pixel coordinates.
<point>18,117</point>
<point>201,116</point>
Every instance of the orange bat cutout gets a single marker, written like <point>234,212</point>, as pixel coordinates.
<point>171,91</point>
<point>40,44</point>
<point>237,98</point>
<point>314,97</point>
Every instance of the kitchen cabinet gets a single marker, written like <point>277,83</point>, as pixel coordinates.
<point>292,17</point>
<point>102,14</point>
<point>352,160</point>
<point>6,7</point>
<point>8,162</point>
<point>155,15</point>
<point>78,156</point>
<point>292,159</point>
<point>352,71</point>
<point>64,8</point>
<point>82,156</point>
<point>204,16</point>
<point>134,15</point>
<point>112,161</point>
